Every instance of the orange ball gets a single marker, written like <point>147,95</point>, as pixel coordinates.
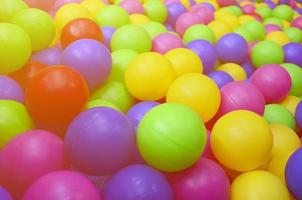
<point>82,28</point>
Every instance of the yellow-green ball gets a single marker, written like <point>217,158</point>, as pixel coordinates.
<point>8,8</point>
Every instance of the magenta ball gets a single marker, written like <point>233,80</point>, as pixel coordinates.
<point>297,22</point>
<point>165,42</point>
<point>174,9</point>
<point>50,56</point>
<point>292,53</point>
<point>138,182</point>
<point>206,180</point>
<point>10,89</point>
<point>208,153</point>
<point>100,141</point>
<point>273,82</point>
<point>226,2</point>
<point>4,195</point>
<point>107,35</point>
<point>132,7</point>
<point>298,114</point>
<point>248,9</point>
<point>271,28</point>
<point>220,78</point>
<point>61,185</point>
<point>29,156</point>
<point>186,20</point>
<point>91,58</point>
<point>205,13</point>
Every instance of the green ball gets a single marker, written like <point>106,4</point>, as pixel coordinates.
<point>235,10</point>
<point>112,15</point>
<point>256,28</point>
<point>284,12</point>
<point>171,137</point>
<point>295,73</point>
<point>198,31</point>
<point>132,37</point>
<point>264,12</point>
<point>154,28</point>
<point>275,21</point>
<point>267,52</point>
<point>278,114</point>
<point>8,8</point>
<point>120,60</point>
<point>100,103</point>
<point>156,10</point>
<point>294,34</point>
<point>245,33</point>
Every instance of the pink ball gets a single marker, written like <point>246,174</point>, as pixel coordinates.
<point>248,9</point>
<point>206,180</point>
<point>62,185</point>
<point>297,22</point>
<point>29,156</point>
<point>223,3</point>
<point>60,3</point>
<point>165,42</point>
<point>273,82</point>
<point>132,7</point>
<point>271,28</point>
<point>205,13</point>
<point>241,96</point>
<point>171,1</point>
<point>186,20</point>
<point>207,153</point>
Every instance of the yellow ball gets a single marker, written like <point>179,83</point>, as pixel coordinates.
<point>277,165</point>
<point>241,140</point>
<point>198,92</point>
<point>93,6</point>
<point>258,185</point>
<point>149,76</point>
<point>139,19</point>
<point>291,103</point>
<point>279,37</point>
<point>8,8</point>
<point>219,28</point>
<point>234,70</point>
<point>221,12</point>
<point>184,61</point>
<point>245,18</point>
<point>230,19</point>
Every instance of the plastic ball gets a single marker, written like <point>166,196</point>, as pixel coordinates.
<point>207,176</point>
<point>132,6</point>
<point>185,20</point>
<point>131,37</point>
<point>235,140</point>
<point>138,19</point>
<point>248,68</point>
<point>198,31</point>
<point>10,89</point>
<point>297,22</point>
<point>283,12</point>
<point>245,18</point>
<point>184,61</point>
<point>292,53</point>
<point>274,21</point>
<point>48,57</point>
<point>234,70</point>
<point>18,160</point>
<point>187,130</point>
<point>108,32</point>
<point>298,114</point>
<point>291,103</point>
<point>62,184</point>
<point>230,20</point>
<point>272,28</point>
<point>206,13</point>
<point>4,195</point>
<point>8,8</point>
<point>174,9</point>
<point>101,103</point>
<point>123,184</point>
<point>245,33</point>
<point>294,34</point>
<point>206,52</point>
<point>295,73</point>
<point>256,28</point>
<point>198,92</point>
<point>277,114</point>
<point>143,73</point>
<point>277,164</point>
<point>264,12</point>
<point>113,16</point>
<point>219,28</point>
<point>278,37</point>
<point>166,42</point>
<point>156,10</point>
<point>220,78</point>
<point>267,52</point>
<point>258,184</point>
<point>273,81</point>
<point>154,28</point>
<point>59,3</point>
<point>93,6</point>
<point>90,58</point>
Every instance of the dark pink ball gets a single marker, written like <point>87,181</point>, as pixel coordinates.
<point>297,22</point>
<point>186,20</point>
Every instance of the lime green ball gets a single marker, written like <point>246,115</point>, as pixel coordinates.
<point>245,33</point>
<point>278,114</point>
<point>235,10</point>
<point>132,37</point>
<point>14,120</point>
<point>120,60</point>
<point>294,34</point>
<point>100,103</point>
<point>295,73</point>
<point>275,21</point>
<point>267,52</point>
<point>156,10</point>
<point>171,137</point>
<point>112,15</point>
<point>8,8</point>
<point>116,93</point>
<point>38,25</point>
<point>199,31</point>
<point>15,48</point>
<point>256,28</point>
<point>264,12</point>
<point>154,28</point>
<point>284,12</point>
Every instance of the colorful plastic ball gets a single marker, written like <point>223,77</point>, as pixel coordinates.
<point>273,81</point>
<point>207,176</point>
<point>256,28</point>
<point>174,9</point>
<point>124,184</point>
<point>183,125</point>
<point>198,92</point>
<point>220,78</point>
<point>93,6</point>
<point>154,28</point>
<point>274,21</point>
<point>31,154</point>
<point>284,12</point>
<point>59,3</point>
<point>166,42</point>
<point>230,19</point>
<point>298,114</point>
<point>185,20</point>
<point>235,140</point>
<point>219,28</point>
<point>90,58</point>
<point>108,32</point>
<point>138,19</point>
<point>10,89</point>
<point>264,12</point>
<point>297,22</point>
<point>278,37</point>
<point>271,28</point>
<point>292,53</point>
<point>113,16</point>
<point>4,195</point>
<point>101,103</point>
<point>234,70</point>
<point>291,103</point>
<point>295,73</point>
<point>43,5</point>
<point>15,48</point>
<point>277,114</point>
<point>206,13</point>
<point>198,32</point>
<point>143,73</point>
<point>258,184</point>
<point>49,56</point>
<point>132,6</point>
<point>245,33</point>
<point>294,34</point>
<point>277,164</point>
<point>8,8</point>
<point>184,61</point>
<point>206,52</point>
<point>267,52</point>
<point>62,184</point>
<point>248,68</point>
<point>156,10</point>
<point>131,37</point>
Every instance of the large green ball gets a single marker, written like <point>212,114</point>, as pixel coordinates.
<point>275,21</point>
<point>294,34</point>
<point>112,15</point>
<point>154,28</point>
<point>278,114</point>
<point>245,33</point>
<point>295,73</point>
<point>264,12</point>
<point>284,12</point>
<point>256,28</point>
<point>156,10</point>
<point>198,32</point>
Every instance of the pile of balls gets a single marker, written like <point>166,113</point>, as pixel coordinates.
<point>150,100</point>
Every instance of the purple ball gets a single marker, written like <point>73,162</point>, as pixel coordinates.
<point>138,182</point>
<point>206,52</point>
<point>299,10</point>
<point>91,58</point>
<point>270,3</point>
<point>232,48</point>
<point>292,52</point>
<point>175,9</point>
<point>107,35</point>
<point>293,174</point>
<point>100,141</point>
<point>283,2</point>
<point>10,89</point>
<point>299,114</point>
<point>50,56</point>
<point>248,68</point>
<point>4,195</point>
<point>220,78</point>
